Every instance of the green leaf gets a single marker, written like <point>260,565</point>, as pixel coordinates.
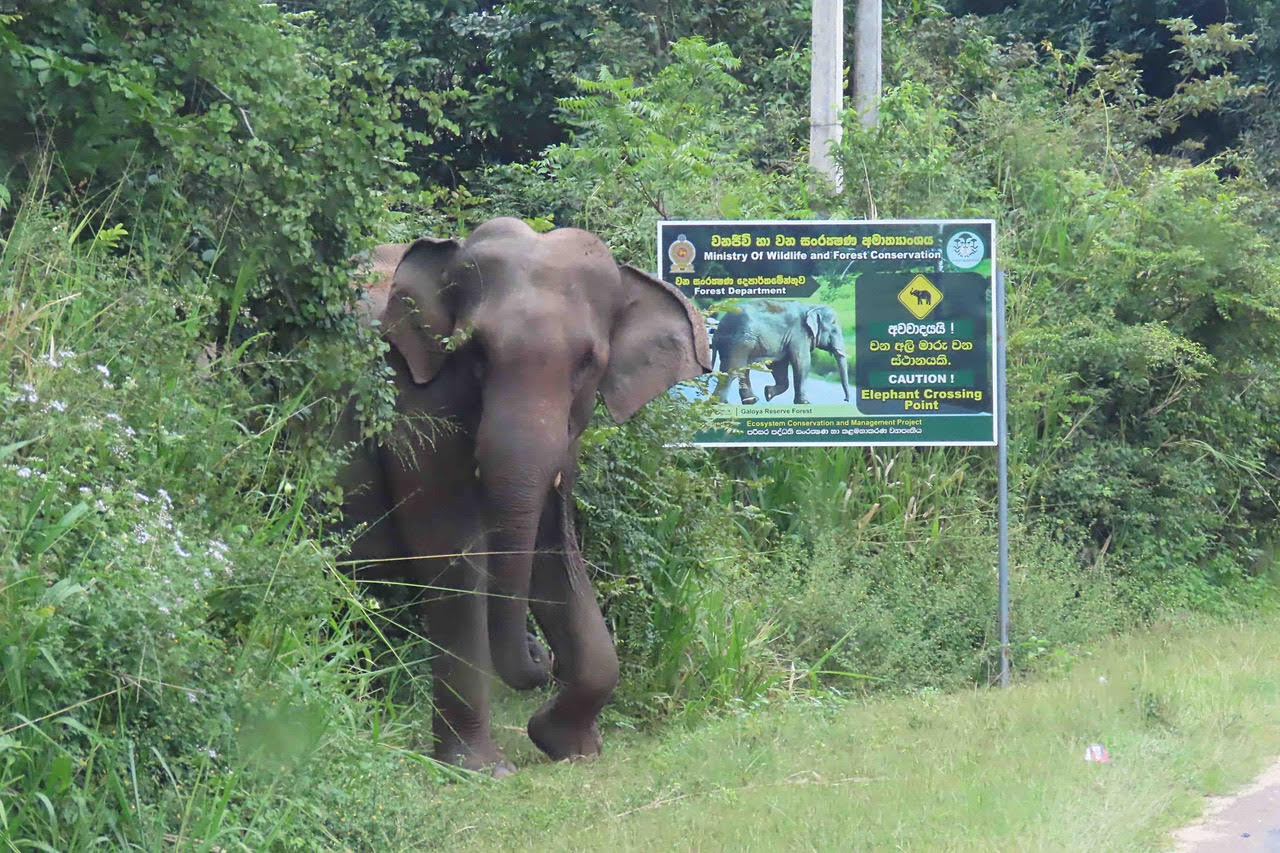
<point>10,449</point>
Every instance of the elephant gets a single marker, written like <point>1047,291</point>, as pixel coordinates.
<point>784,332</point>
<point>499,344</point>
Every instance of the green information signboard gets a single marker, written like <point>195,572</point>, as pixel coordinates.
<point>843,333</point>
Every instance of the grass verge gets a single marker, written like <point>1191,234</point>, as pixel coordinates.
<point>1185,710</point>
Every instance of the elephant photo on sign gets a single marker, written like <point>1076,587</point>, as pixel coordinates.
<point>784,333</point>
<point>506,337</point>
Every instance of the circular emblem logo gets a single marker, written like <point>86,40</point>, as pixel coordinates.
<point>965,250</point>
<point>681,252</point>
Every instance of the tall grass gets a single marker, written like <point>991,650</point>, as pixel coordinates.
<point>180,664</point>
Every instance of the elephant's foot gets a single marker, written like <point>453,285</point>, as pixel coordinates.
<point>560,738</point>
<point>481,759</point>
<point>528,673</point>
<point>801,401</point>
<point>769,393</point>
<point>748,399</point>
<point>542,658</point>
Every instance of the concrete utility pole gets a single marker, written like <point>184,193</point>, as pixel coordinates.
<point>826,87</point>
<point>867,26</point>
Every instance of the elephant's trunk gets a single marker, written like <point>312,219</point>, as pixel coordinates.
<point>520,453</point>
<point>842,362</point>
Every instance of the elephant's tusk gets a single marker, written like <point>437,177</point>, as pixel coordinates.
<point>477,472</point>
<point>559,477</point>
<point>841,354</point>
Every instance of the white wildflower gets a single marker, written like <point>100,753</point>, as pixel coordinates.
<point>191,697</point>
<point>164,497</point>
<point>66,353</point>
<point>86,491</point>
<point>112,416</point>
<point>140,535</point>
<point>24,472</point>
<point>57,405</point>
<point>141,498</point>
<point>129,431</point>
<point>164,608</point>
<point>177,547</point>
<point>213,754</point>
<point>102,368</point>
<point>100,506</point>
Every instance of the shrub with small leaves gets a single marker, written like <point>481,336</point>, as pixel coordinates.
<point>219,128</point>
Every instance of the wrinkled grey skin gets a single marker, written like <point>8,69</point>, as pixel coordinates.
<point>507,336</point>
<point>783,332</point>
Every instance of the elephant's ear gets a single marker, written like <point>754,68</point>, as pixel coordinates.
<point>419,309</point>
<point>659,339</point>
<point>813,322</point>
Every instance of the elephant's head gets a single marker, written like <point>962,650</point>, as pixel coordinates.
<point>824,330</point>
<point>519,331</point>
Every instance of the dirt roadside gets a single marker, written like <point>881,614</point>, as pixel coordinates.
<point>1248,820</point>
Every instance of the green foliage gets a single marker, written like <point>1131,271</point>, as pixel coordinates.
<point>218,128</point>
<point>680,146</point>
<point>671,548</point>
<point>477,83</point>
<point>179,662</point>
<point>1143,296</point>
<point>1142,32</point>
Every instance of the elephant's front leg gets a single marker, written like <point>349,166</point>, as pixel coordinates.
<point>745,394</point>
<point>586,666</point>
<point>458,626</point>
<point>779,368</point>
<point>456,609</point>
<point>723,382</point>
<point>800,361</point>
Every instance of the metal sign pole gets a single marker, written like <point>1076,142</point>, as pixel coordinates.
<point>1002,466</point>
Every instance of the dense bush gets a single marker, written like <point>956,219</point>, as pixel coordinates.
<point>174,644</point>
<point>252,163</point>
<point>1140,29</point>
<point>478,82</point>
<point>1142,296</point>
